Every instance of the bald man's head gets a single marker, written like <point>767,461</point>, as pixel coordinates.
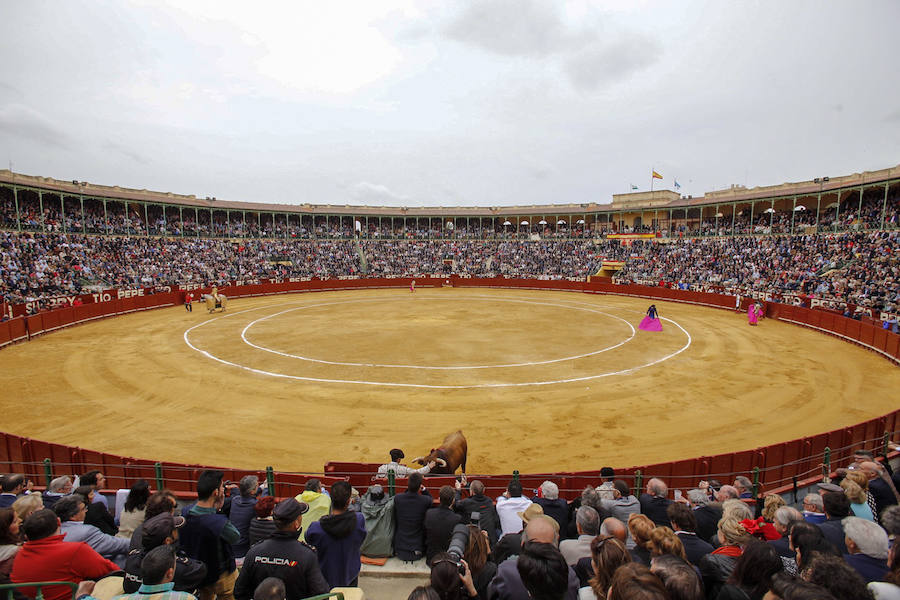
<point>615,527</point>
<point>542,529</point>
<point>871,469</point>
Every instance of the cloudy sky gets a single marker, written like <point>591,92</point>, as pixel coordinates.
<point>490,102</point>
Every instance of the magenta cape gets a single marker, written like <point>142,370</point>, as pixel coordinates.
<point>648,324</point>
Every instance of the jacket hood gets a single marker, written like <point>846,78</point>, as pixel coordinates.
<point>339,526</point>
<point>627,501</point>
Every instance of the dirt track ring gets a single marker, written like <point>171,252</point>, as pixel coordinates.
<point>367,382</point>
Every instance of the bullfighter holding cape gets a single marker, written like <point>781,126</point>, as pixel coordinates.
<point>651,322</point>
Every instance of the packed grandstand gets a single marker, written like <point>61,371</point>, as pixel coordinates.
<point>840,252</point>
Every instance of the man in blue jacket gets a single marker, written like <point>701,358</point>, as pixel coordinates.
<point>337,538</point>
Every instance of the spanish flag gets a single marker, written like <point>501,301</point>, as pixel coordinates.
<point>657,175</point>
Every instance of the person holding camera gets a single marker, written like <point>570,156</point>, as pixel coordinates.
<point>451,577</point>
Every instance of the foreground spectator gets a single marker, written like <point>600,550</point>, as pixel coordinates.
<point>409,514</point>
<point>867,548</point>
<point>242,513</point>
<point>262,526</point>
<point>717,566</point>
<point>753,572</point>
<point>283,556</point>
<point>587,524</point>
<point>836,576</point>
<point>317,500</point>
<point>59,487</point>
<point>97,514</point>
<point>207,536</point>
<point>27,505</point>
<point>813,509</point>
<point>479,503</point>
<point>477,555</point>
<point>337,539</point>
<point>607,555</point>
<point>439,523</point>
<point>678,576</point>
<point>684,524</point>
<point>270,588</point>
<point>452,579</point>
<point>634,580</point>
<point>378,510</point>
<point>46,557</point>
<point>162,530</point>
<point>133,513</point>
<point>640,526</point>
<point>509,505</point>
<point>98,480</point>
<point>159,502</point>
<point>71,511</point>
<point>12,486</point>
<point>654,502</point>
<point>509,582</point>
<point>553,505</point>
<point>889,587</point>
<point>9,541</point>
<point>837,507</point>
<point>511,543</point>
<point>158,577</point>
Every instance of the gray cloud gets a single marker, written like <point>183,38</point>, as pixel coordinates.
<point>612,62</point>
<point>27,123</point>
<point>515,28</point>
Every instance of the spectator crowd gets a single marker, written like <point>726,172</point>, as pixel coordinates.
<point>861,269</point>
<point>714,542</point>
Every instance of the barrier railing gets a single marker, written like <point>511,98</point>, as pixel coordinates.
<point>777,464</point>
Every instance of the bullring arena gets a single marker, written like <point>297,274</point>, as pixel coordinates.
<point>539,381</point>
<point>522,331</point>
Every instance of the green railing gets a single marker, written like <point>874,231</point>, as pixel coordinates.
<point>40,585</point>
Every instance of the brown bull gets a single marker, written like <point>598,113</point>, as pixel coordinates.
<point>449,456</point>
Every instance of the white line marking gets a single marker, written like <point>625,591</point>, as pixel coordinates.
<point>460,367</point>
<point>422,385</point>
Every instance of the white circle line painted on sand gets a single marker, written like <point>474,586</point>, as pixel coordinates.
<point>422,385</point>
<point>448,368</point>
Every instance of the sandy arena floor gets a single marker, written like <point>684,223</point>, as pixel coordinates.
<point>538,381</point>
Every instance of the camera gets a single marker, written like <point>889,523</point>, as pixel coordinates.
<point>459,539</point>
<point>475,519</point>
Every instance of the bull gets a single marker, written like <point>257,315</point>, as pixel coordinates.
<point>449,456</point>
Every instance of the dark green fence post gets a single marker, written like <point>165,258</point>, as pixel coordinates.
<point>755,482</point>
<point>48,471</point>
<point>886,444</point>
<point>826,466</point>
<point>516,476</point>
<point>159,478</point>
<point>391,482</point>
<point>270,480</point>
<point>638,482</point>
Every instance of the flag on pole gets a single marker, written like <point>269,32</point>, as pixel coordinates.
<point>677,185</point>
<point>634,187</point>
<point>657,175</point>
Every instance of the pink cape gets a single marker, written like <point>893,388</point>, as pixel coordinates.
<point>648,324</point>
<point>751,314</point>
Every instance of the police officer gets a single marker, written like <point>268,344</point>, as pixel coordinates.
<point>283,556</point>
<point>156,531</point>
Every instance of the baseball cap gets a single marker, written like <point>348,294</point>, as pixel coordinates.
<point>289,510</point>
<point>156,529</point>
